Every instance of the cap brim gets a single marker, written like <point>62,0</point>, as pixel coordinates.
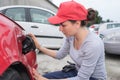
<point>56,20</point>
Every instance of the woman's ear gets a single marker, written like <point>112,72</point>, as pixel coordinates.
<point>78,23</point>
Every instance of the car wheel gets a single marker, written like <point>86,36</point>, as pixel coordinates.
<point>11,74</point>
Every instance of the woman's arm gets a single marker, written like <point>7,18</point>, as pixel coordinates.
<point>49,52</point>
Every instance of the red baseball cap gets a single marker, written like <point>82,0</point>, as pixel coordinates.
<point>69,10</point>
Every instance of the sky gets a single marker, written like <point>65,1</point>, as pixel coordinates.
<point>108,9</point>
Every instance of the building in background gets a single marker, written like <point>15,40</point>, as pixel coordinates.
<point>40,3</point>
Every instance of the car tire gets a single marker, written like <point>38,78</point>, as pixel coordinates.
<point>11,74</point>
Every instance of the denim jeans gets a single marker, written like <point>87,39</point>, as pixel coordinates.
<point>62,75</point>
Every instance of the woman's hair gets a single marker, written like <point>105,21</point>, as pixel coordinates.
<point>90,17</point>
<point>91,14</point>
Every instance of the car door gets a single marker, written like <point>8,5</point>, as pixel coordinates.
<point>47,34</point>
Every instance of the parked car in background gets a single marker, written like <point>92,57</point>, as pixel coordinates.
<point>111,39</point>
<point>94,28</point>
<point>17,52</point>
<point>108,25</point>
<point>34,20</point>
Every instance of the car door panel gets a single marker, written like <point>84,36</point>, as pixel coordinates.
<point>47,35</point>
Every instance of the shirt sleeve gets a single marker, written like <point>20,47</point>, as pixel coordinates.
<point>91,55</point>
<point>64,50</point>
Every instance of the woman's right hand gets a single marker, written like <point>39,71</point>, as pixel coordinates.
<point>35,40</point>
<point>37,76</point>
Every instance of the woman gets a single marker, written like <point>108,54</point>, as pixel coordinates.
<point>84,47</point>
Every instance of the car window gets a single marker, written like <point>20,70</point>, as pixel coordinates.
<point>0,11</point>
<point>40,16</point>
<point>113,25</point>
<point>117,25</point>
<point>17,14</point>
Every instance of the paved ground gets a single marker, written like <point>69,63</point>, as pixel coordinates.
<point>113,67</point>
<point>48,64</point>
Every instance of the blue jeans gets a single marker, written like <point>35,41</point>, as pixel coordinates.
<point>62,75</point>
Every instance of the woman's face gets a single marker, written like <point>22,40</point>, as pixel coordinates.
<point>68,28</point>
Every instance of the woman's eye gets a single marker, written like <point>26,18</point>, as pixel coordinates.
<point>62,25</point>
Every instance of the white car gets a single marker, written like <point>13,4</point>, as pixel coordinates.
<point>111,39</point>
<point>108,25</point>
<point>94,28</point>
<point>34,20</point>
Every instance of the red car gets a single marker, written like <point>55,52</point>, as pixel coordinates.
<point>17,51</point>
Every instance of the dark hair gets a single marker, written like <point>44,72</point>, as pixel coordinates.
<point>90,17</point>
<point>91,14</point>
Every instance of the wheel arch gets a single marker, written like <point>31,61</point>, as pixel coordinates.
<point>21,69</point>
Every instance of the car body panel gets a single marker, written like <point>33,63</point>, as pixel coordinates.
<point>47,35</point>
<point>11,37</point>
<point>111,39</point>
<point>94,28</point>
<point>109,25</point>
<point>112,48</point>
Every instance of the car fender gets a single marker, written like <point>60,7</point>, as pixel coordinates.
<point>11,46</point>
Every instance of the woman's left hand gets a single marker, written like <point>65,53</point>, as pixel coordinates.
<point>37,76</point>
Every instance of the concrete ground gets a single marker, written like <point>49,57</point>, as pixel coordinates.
<point>48,64</point>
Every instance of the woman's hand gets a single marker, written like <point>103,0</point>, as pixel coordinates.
<point>35,41</point>
<point>37,76</point>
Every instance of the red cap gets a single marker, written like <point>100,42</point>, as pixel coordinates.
<point>70,10</point>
